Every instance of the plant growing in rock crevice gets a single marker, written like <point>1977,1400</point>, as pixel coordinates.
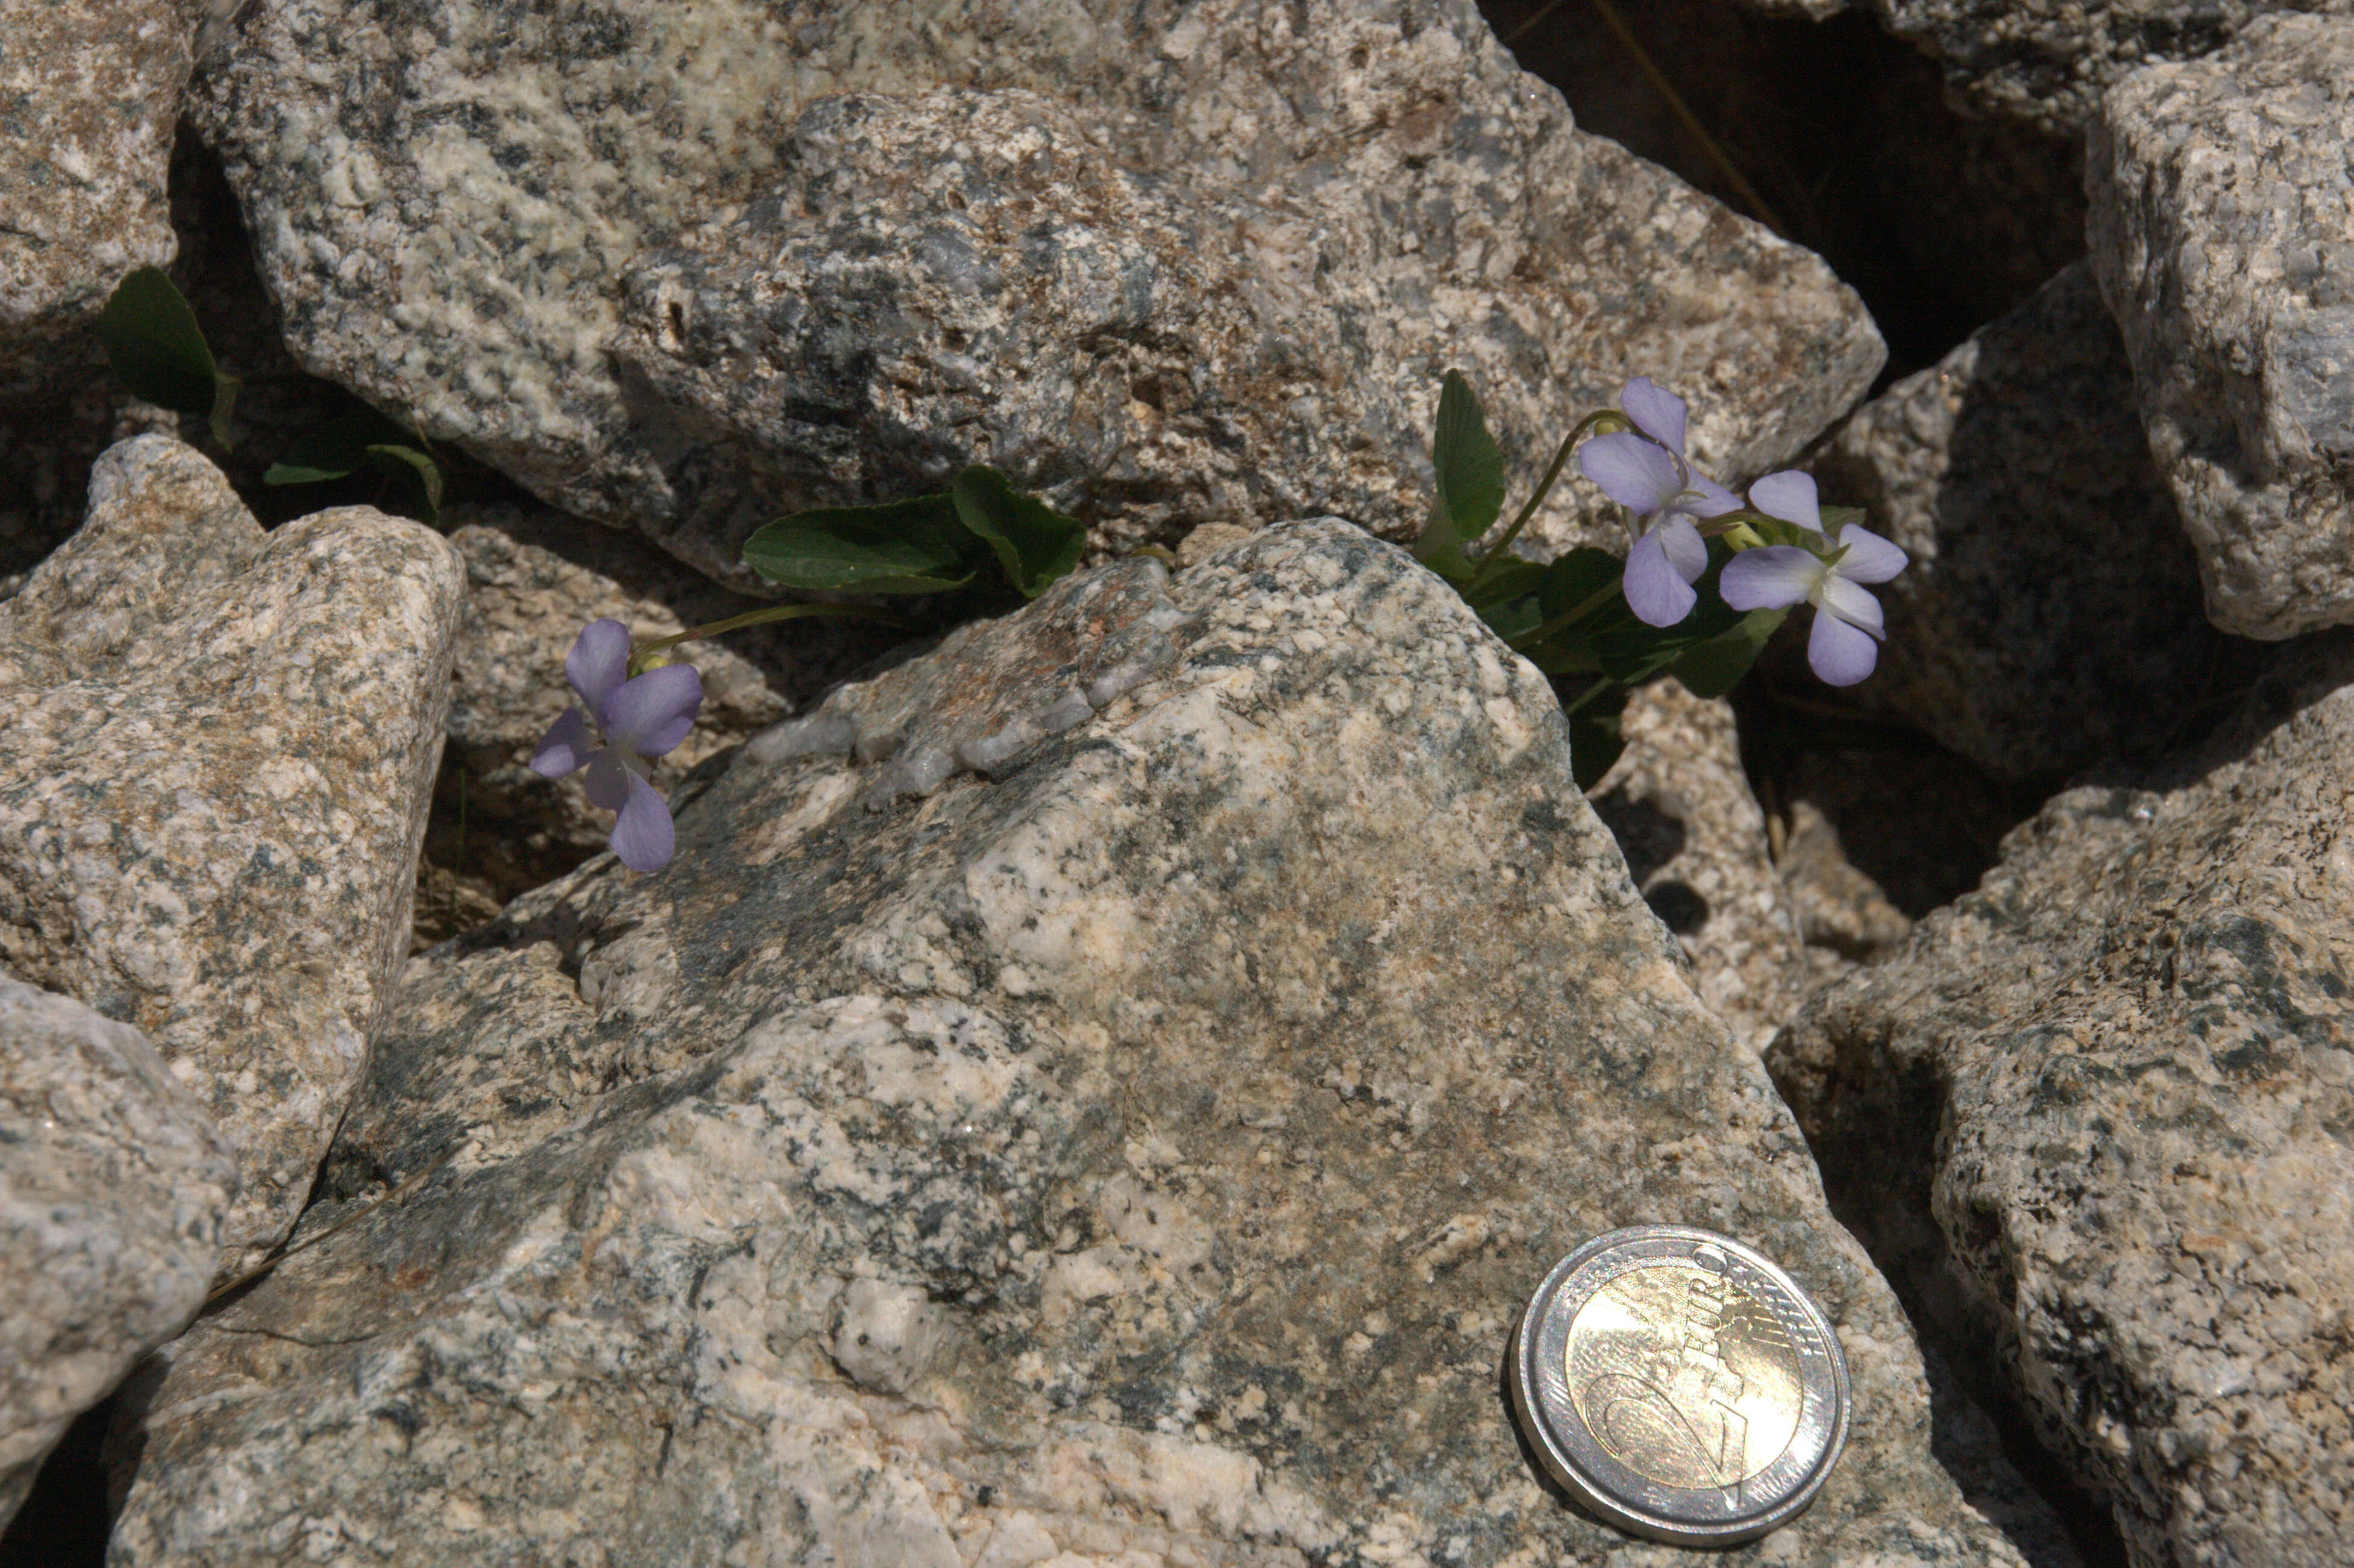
<point>1688,601</point>
<point>156,349</point>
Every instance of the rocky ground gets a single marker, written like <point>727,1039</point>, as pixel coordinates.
<point>1098,1087</point>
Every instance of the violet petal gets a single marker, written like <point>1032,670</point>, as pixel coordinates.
<point>1841,654</point>
<point>564,749</point>
<point>643,836</point>
<point>1713,499</point>
<point>607,783</point>
<point>1869,558</point>
<point>1657,412</point>
<point>1686,550</point>
<point>657,704</point>
<point>1631,471</point>
<point>1655,592</point>
<point>598,661</point>
<point>1775,577</point>
<point>1851,603</point>
<point>1789,495</point>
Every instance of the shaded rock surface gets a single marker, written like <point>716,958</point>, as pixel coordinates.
<point>113,1186</point>
<point>2094,1117</point>
<point>1141,1155</point>
<point>1941,220</point>
<point>2223,232</point>
<point>220,749</point>
<point>469,224</point>
<point>2050,618</point>
<point>1694,839</point>
<point>1838,907</point>
<point>89,93</point>
<point>2048,61</point>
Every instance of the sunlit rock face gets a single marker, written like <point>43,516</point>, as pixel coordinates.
<point>1138,1151</point>
<point>2223,237</point>
<point>2093,1114</point>
<point>1171,263</point>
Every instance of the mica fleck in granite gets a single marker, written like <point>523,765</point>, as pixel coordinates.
<point>1137,1152</point>
<point>220,746</point>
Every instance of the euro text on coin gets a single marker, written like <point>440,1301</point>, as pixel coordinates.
<point>1681,1385</point>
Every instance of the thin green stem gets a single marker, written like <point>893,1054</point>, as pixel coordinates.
<point>1488,558</point>
<point>759,617</point>
<point>1583,607</point>
<point>1709,145</point>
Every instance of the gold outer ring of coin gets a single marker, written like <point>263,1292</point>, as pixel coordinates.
<point>1681,1385</point>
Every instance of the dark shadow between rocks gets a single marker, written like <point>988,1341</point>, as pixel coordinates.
<point>66,1517</point>
<point>1922,822</point>
<point>1941,220</point>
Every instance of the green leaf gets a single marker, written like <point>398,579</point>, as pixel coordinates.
<point>1576,576</point>
<point>285,472</point>
<point>906,546</point>
<point>429,473</point>
<point>1437,548</point>
<point>1595,740</point>
<point>1713,668</point>
<point>1837,517</point>
<point>157,350</point>
<point>1470,469</point>
<point>1507,580</point>
<point>1035,543</point>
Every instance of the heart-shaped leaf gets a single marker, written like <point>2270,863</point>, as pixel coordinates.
<point>1713,668</point>
<point>906,546</point>
<point>1035,543</point>
<point>1470,469</point>
<point>157,350</point>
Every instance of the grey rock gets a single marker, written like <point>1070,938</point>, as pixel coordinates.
<point>2048,61</point>
<point>1694,837</point>
<point>113,1186</point>
<point>1140,1156</point>
<point>2093,1116</point>
<point>89,95</point>
<point>2050,618</point>
<point>2223,237</point>
<point>562,255</point>
<point>222,744</point>
<point>533,580</point>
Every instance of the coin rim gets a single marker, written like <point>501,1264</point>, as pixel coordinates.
<point>1535,1418</point>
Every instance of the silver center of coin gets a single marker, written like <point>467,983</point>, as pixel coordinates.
<point>1681,1385</point>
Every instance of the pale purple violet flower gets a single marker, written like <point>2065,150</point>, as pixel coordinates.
<point>1648,474</point>
<point>1845,643</point>
<point>634,719</point>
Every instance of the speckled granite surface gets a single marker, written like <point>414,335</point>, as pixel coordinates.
<point>219,748</point>
<point>1140,1156</point>
<point>648,268</point>
<point>113,1186</point>
<point>2096,1113</point>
